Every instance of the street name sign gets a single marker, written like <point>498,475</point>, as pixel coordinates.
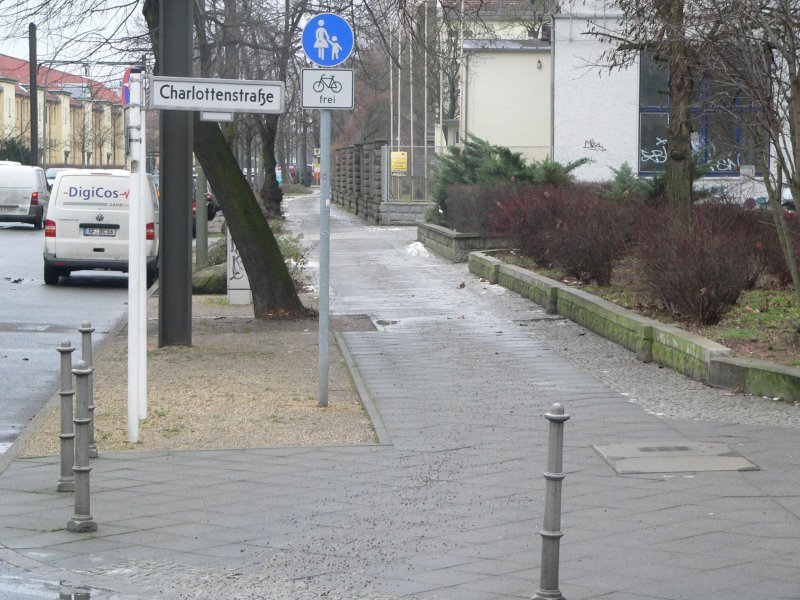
<point>328,40</point>
<point>216,95</point>
<point>327,88</point>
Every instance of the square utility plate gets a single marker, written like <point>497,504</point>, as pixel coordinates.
<point>672,457</point>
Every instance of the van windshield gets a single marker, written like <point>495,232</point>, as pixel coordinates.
<point>93,192</point>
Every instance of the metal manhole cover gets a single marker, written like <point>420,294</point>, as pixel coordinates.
<point>673,457</point>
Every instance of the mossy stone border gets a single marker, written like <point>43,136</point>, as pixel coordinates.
<point>695,356</point>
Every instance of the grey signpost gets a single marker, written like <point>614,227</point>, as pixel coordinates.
<point>175,262</point>
<point>328,41</point>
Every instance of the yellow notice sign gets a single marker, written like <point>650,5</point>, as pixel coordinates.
<point>399,163</point>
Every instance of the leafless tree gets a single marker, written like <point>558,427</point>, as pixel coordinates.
<point>273,289</point>
<point>756,60</point>
<point>680,32</point>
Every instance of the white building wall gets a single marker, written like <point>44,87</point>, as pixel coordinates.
<point>506,100</point>
<point>595,113</point>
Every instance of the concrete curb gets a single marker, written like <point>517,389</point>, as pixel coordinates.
<point>381,432</point>
<point>38,420</point>
<point>453,245</point>
<point>696,357</point>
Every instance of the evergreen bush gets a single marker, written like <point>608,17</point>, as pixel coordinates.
<point>477,162</point>
<point>13,149</point>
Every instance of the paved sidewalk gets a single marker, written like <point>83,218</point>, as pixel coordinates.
<point>448,506</point>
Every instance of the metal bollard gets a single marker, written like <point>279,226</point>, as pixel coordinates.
<point>86,330</point>
<point>82,520</point>
<point>551,531</point>
<point>66,481</point>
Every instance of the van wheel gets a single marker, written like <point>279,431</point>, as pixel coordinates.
<point>152,275</point>
<point>37,224</point>
<point>51,276</point>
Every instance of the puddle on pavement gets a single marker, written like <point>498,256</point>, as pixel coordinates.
<point>19,588</point>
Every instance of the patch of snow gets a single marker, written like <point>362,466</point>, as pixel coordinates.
<point>418,249</point>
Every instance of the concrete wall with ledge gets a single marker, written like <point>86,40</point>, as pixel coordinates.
<point>453,245</point>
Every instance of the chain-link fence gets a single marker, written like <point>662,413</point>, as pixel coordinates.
<point>409,172</point>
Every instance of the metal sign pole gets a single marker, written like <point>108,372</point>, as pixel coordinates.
<point>142,272</point>
<point>135,240</point>
<point>324,251</point>
<point>327,41</point>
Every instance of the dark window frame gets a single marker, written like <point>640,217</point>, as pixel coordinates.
<point>703,115</point>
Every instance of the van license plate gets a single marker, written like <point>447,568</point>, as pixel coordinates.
<point>99,232</point>
<point>8,208</point>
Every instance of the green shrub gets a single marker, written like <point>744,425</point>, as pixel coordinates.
<point>14,149</point>
<point>629,187</point>
<point>294,189</point>
<point>294,254</point>
<point>292,249</point>
<point>477,162</point>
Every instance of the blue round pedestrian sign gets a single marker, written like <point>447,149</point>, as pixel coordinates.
<point>328,40</point>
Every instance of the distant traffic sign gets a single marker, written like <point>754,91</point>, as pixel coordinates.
<point>126,87</point>
<point>328,40</point>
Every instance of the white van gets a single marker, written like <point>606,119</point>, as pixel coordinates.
<point>87,224</point>
<point>24,194</point>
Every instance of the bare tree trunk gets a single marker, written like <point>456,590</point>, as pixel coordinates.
<point>270,193</point>
<point>273,290</point>
<point>680,164</point>
<point>303,151</point>
<point>783,230</point>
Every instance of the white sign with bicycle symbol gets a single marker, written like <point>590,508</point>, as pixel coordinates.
<point>327,88</point>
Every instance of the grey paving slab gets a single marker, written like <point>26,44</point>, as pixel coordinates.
<point>452,507</point>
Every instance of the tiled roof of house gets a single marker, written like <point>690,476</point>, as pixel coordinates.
<point>55,80</point>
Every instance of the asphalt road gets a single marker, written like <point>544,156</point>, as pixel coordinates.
<point>35,318</point>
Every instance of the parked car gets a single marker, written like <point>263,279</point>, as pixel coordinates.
<point>51,173</point>
<point>211,209</point>
<point>87,224</point>
<point>24,194</point>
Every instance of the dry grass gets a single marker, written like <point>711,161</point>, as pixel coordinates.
<point>243,383</point>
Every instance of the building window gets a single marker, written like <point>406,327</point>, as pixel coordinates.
<point>720,141</point>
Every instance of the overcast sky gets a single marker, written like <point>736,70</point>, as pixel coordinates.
<point>84,44</point>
